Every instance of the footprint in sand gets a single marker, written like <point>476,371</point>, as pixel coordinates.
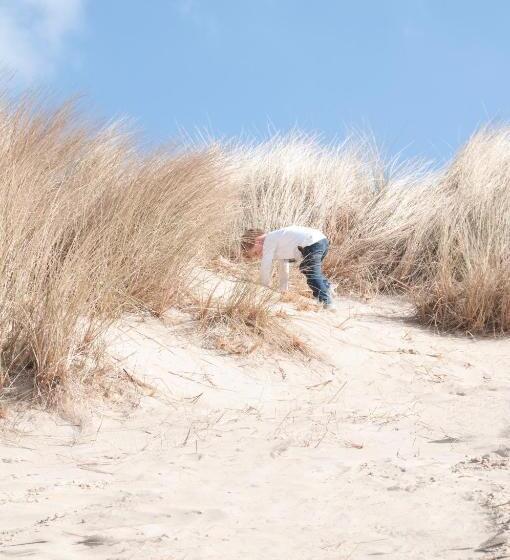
<point>96,540</point>
<point>280,448</point>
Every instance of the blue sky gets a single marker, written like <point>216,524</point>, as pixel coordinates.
<point>420,74</point>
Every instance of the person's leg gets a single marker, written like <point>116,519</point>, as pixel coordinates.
<point>311,267</point>
<point>326,248</point>
<point>332,287</point>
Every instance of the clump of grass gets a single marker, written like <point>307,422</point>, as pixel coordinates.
<point>390,246</point>
<point>244,319</point>
<point>441,237</point>
<point>468,287</point>
<point>294,179</point>
<point>90,229</point>
<point>371,211</point>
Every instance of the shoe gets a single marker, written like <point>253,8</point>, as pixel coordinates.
<point>329,307</point>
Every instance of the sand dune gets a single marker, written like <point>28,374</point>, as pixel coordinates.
<point>394,444</point>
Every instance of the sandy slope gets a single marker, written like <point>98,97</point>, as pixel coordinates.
<point>395,446</point>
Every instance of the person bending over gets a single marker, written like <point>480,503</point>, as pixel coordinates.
<point>291,244</point>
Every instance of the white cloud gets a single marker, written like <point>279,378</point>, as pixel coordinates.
<point>33,34</point>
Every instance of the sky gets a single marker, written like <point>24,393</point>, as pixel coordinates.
<point>420,75</point>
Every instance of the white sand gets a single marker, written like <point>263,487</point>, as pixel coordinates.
<point>395,447</point>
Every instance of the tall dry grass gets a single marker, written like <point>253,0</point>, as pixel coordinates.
<point>90,229</point>
<point>294,179</point>
<point>372,211</point>
<point>391,245</point>
<point>440,237</point>
<point>468,286</point>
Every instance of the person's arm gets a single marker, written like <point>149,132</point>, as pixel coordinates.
<point>266,264</point>
<point>283,270</point>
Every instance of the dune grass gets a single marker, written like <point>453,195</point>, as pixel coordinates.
<point>372,211</point>
<point>89,230</point>
<point>294,179</point>
<point>439,237</point>
<point>244,319</point>
<point>468,285</point>
<point>91,227</point>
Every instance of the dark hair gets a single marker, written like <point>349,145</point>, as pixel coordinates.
<point>248,239</point>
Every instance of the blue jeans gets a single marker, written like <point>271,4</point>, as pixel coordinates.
<point>311,267</point>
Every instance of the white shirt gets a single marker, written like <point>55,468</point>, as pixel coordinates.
<point>282,245</point>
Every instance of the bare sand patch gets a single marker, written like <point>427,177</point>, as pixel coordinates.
<point>392,445</point>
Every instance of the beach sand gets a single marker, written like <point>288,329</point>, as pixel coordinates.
<point>394,444</point>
